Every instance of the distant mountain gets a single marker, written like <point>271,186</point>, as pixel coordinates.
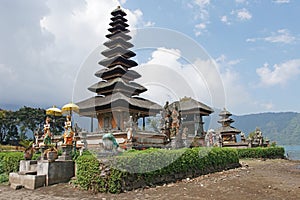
<point>284,127</point>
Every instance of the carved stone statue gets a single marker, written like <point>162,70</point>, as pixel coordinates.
<point>175,121</point>
<point>69,133</point>
<point>130,128</point>
<point>167,110</point>
<point>243,138</point>
<point>47,133</point>
<point>109,142</point>
<point>167,121</point>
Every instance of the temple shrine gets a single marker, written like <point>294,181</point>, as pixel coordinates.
<point>192,112</point>
<point>117,94</point>
<point>227,132</point>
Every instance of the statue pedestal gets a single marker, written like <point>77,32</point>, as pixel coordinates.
<point>66,152</point>
<point>43,148</point>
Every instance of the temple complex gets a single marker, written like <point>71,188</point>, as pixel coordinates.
<point>116,93</point>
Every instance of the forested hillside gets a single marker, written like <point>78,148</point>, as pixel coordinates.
<point>284,128</point>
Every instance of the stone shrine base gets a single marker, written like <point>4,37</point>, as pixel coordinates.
<point>35,174</point>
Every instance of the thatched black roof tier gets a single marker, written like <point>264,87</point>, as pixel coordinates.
<point>225,113</point>
<point>117,60</point>
<point>119,40</point>
<point>118,22</point>
<point>117,85</point>
<point>188,105</point>
<point>228,130</point>
<point>118,11</point>
<point>118,28</point>
<point>118,17</point>
<point>117,71</point>
<point>226,120</point>
<point>118,50</point>
<point>117,102</point>
<point>111,35</point>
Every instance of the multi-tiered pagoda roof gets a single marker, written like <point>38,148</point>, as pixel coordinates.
<point>225,121</point>
<point>116,90</point>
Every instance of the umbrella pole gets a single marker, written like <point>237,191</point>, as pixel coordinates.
<point>92,124</point>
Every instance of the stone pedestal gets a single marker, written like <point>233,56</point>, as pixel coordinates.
<point>66,153</point>
<point>43,149</point>
<point>56,172</point>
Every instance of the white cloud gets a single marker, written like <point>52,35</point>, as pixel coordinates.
<point>201,15</point>
<point>149,24</point>
<point>243,14</point>
<point>281,1</point>
<point>202,3</point>
<point>50,40</point>
<point>279,74</point>
<point>222,60</point>
<point>280,36</point>
<point>267,106</point>
<point>200,29</point>
<point>200,8</point>
<point>123,1</point>
<point>240,1</point>
<point>201,26</point>
<point>225,20</point>
<point>236,94</point>
<point>167,77</point>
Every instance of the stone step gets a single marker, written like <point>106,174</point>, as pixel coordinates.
<point>16,186</point>
<point>27,173</point>
<point>28,181</point>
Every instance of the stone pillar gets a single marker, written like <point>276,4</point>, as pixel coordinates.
<point>144,123</point>
<point>92,124</point>
<point>83,137</point>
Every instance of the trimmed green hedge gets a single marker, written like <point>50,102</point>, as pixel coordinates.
<point>261,152</point>
<point>150,167</point>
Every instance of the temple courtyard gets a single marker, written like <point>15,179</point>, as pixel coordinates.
<point>256,179</point>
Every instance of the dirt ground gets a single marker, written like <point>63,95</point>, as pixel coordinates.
<point>256,179</point>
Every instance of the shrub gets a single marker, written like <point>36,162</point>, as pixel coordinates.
<point>149,167</point>
<point>88,174</point>
<point>260,152</point>
<point>9,162</point>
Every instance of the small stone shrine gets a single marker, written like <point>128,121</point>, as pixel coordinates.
<point>227,132</point>
<point>48,170</point>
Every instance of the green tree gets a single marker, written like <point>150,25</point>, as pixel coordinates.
<point>30,119</point>
<point>58,124</point>
<point>8,126</point>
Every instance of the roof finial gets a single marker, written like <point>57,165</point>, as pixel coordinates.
<point>119,6</point>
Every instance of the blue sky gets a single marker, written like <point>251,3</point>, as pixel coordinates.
<point>46,46</point>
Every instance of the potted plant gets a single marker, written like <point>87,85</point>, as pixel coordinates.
<point>51,153</point>
<point>28,153</point>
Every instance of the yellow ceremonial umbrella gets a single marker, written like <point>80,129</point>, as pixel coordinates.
<point>54,111</point>
<point>70,107</point>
